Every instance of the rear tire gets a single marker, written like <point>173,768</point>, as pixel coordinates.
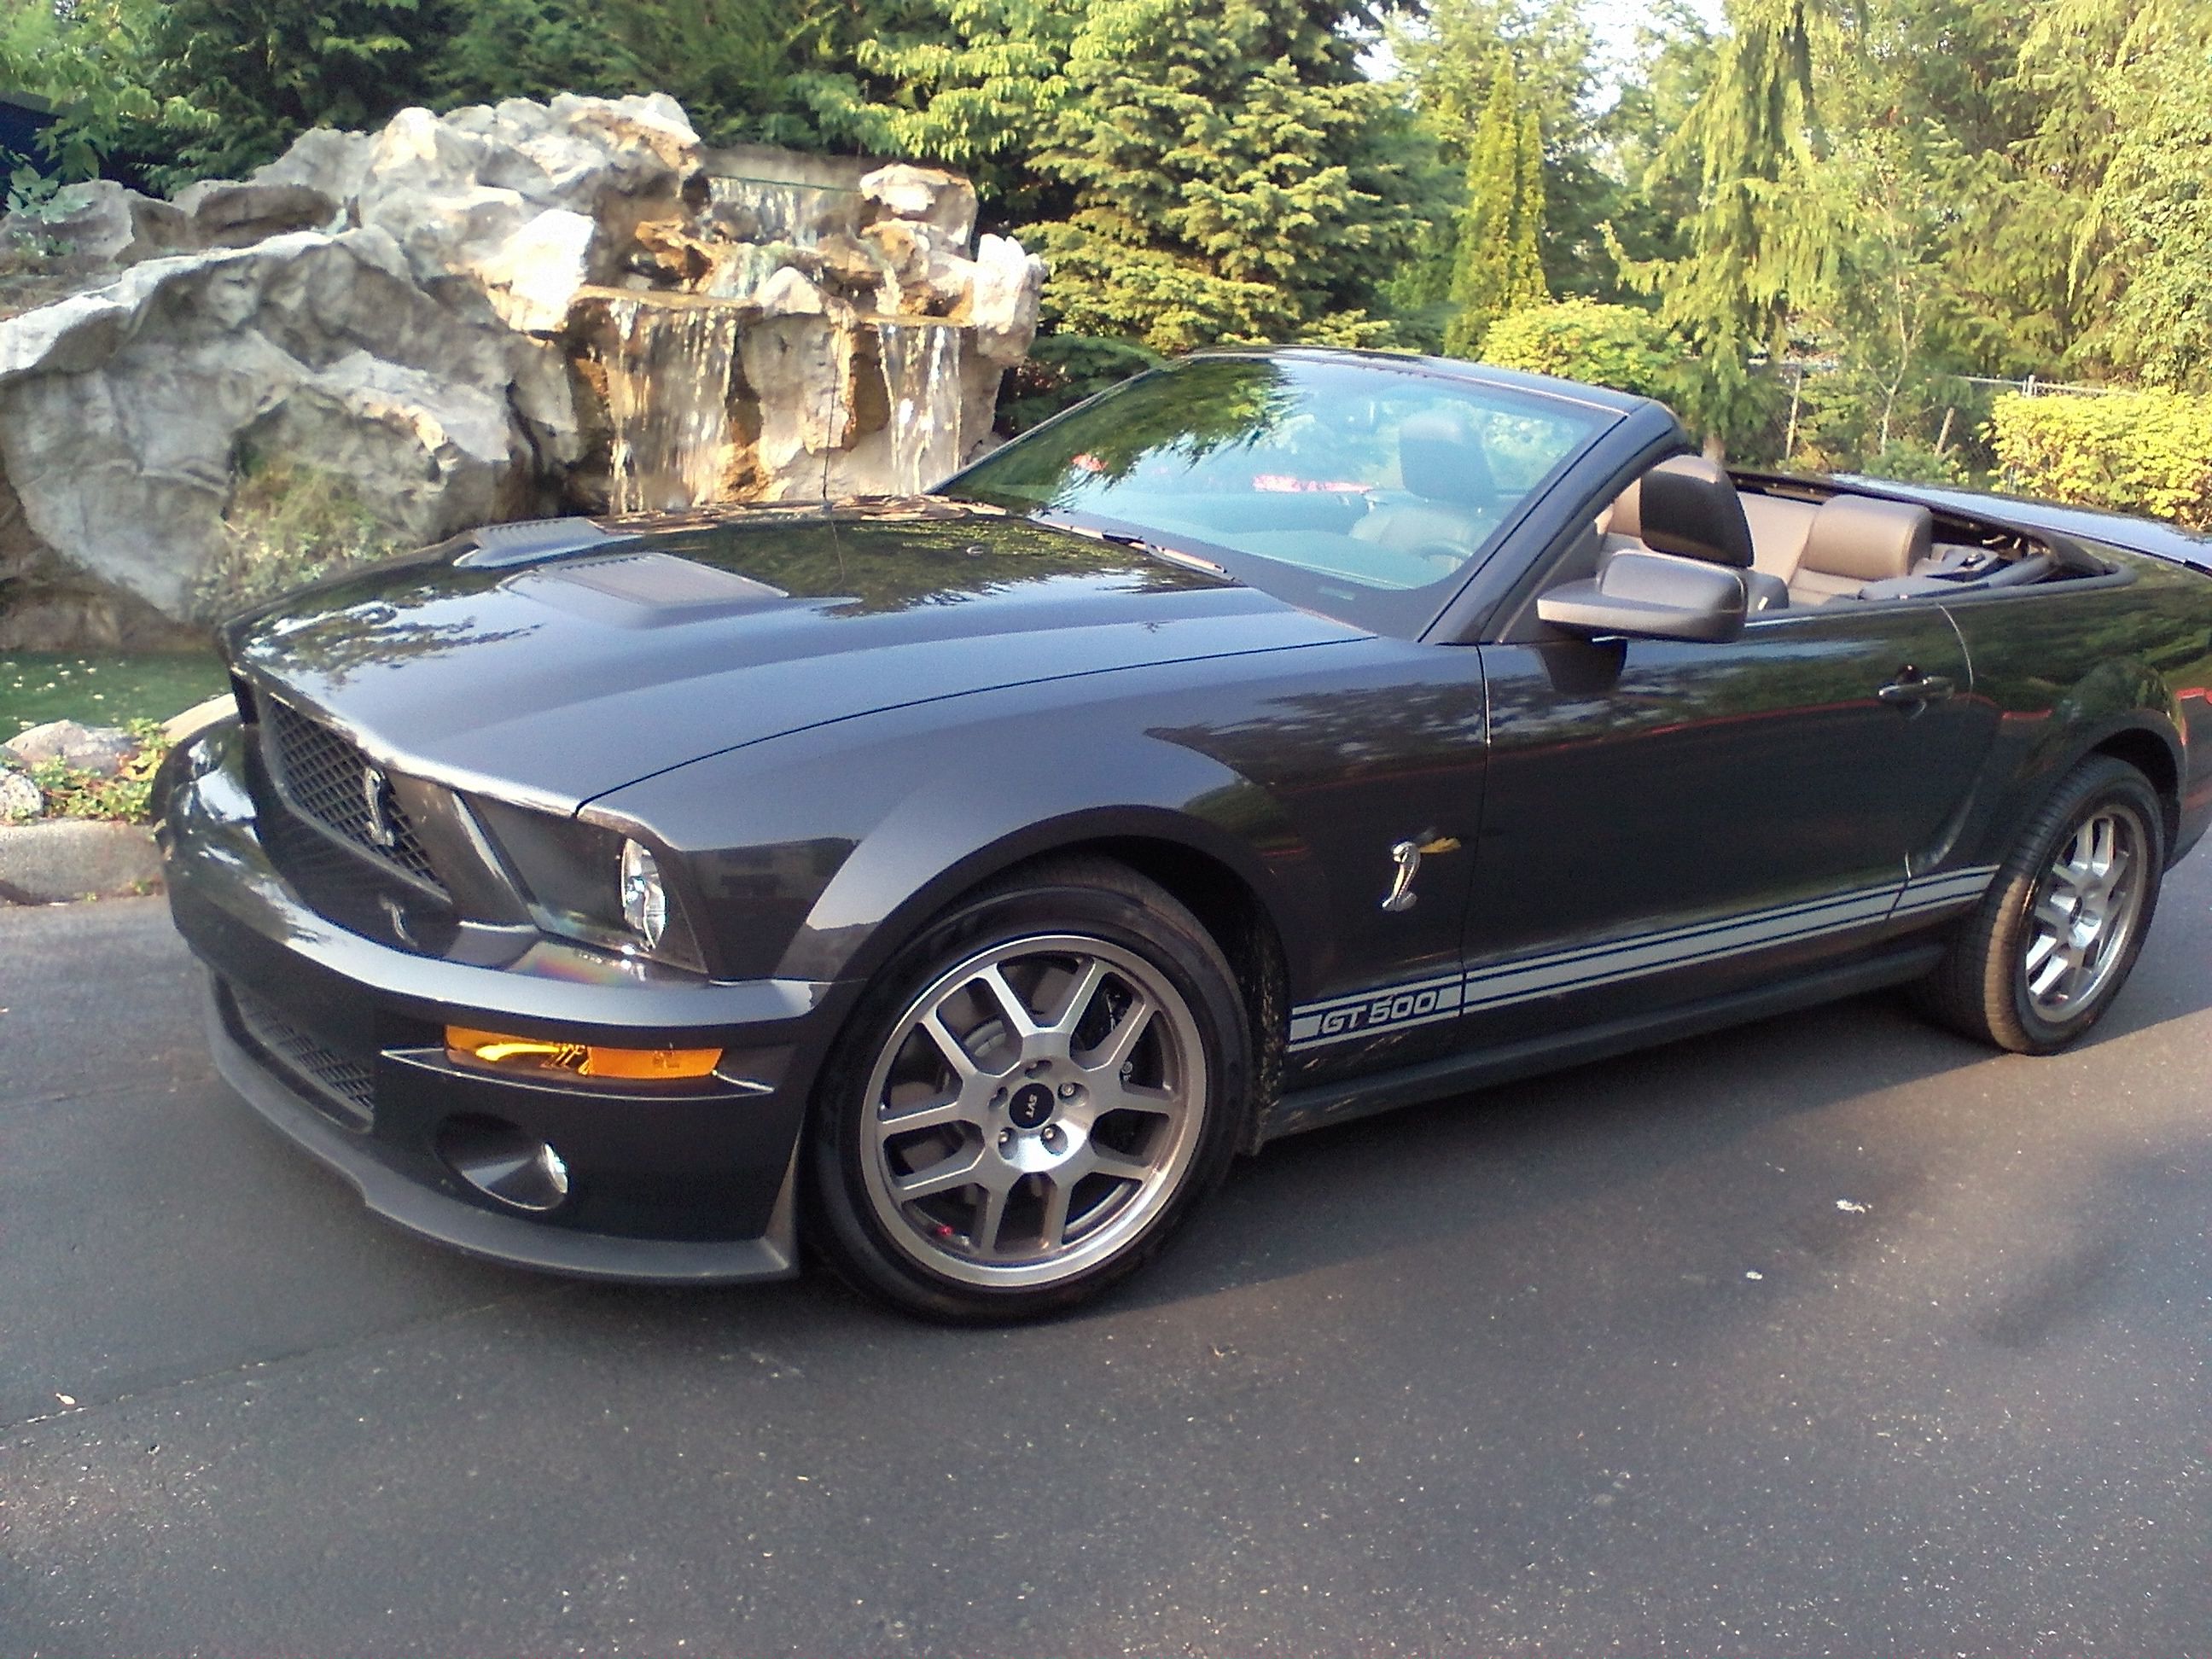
<point>1032,1098</point>
<point>2044,954</point>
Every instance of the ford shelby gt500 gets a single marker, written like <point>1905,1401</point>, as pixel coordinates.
<point>953,886</point>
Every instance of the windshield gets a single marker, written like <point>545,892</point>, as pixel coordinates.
<point>1361,490</point>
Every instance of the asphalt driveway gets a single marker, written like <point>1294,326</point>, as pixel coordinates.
<point>1834,1335</point>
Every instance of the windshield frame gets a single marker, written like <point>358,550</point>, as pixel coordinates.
<point>1407,613</point>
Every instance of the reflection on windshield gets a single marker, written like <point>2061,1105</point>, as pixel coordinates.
<point>1363,489</point>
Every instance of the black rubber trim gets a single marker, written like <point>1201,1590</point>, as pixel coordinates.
<point>511,1240</point>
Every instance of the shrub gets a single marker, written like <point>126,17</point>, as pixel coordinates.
<point>2133,452</point>
<point>1909,461</point>
<point>286,523</point>
<point>1580,339</point>
<point>72,792</point>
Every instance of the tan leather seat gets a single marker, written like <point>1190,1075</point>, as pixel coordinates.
<point>1778,529</point>
<point>1854,540</point>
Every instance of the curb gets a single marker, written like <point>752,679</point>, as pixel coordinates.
<point>52,862</point>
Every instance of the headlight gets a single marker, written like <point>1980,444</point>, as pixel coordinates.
<point>644,900</point>
<point>583,881</point>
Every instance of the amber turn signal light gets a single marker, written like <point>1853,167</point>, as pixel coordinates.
<point>580,1058</point>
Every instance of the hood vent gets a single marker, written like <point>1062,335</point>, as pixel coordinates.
<point>638,590</point>
<point>500,546</point>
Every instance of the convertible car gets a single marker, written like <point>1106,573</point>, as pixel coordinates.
<point>952,886</point>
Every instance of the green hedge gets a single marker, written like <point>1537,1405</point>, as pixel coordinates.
<point>1580,339</point>
<point>2134,452</point>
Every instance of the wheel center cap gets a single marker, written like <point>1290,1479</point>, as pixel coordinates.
<point>1030,1106</point>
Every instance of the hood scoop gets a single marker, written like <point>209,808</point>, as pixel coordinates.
<point>499,546</point>
<point>642,590</point>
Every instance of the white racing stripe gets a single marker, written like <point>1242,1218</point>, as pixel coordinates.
<point>1555,973</point>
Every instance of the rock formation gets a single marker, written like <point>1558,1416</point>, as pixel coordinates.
<point>499,312</point>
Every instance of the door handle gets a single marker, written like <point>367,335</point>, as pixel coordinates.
<point>1912,689</point>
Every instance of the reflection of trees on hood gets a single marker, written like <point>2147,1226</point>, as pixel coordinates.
<point>339,644</point>
<point>886,557</point>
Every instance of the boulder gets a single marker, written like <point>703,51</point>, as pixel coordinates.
<point>101,749</point>
<point>330,162</point>
<point>223,213</point>
<point>466,194</point>
<point>102,223</point>
<point>927,276</point>
<point>121,411</point>
<point>1003,304</point>
<point>533,277</point>
<point>928,195</point>
<point>20,799</point>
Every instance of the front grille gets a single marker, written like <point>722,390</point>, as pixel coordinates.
<point>325,778</point>
<point>344,1089</point>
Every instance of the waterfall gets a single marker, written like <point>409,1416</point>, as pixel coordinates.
<point>764,210</point>
<point>921,372</point>
<point>764,222</point>
<point>740,268</point>
<point>668,390</point>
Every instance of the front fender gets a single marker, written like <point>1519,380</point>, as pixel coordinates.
<point>948,835</point>
<point>852,839</point>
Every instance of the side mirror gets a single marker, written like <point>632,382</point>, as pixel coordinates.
<point>1652,596</point>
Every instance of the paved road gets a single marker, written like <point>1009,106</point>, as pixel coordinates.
<point>1830,1335</point>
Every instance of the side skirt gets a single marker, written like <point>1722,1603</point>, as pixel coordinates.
<point>1355,1097</point>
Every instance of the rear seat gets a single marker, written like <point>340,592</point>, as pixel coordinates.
<point>1819,551</point>
<point>1854,541</point>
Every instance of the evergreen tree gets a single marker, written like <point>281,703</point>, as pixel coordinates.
<point>1752,140</point>
<point>263,70</point>
<point>1231,177</point>
<point>1498,263</point>
<point>968,83</point>
<point>1448,58</point>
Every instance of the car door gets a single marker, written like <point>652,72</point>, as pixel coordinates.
<point>1665,822</point>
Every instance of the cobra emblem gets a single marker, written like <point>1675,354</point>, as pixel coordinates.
<point>376,796</point>
<point>1406,855</point>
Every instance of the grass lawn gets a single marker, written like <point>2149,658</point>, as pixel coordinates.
<point>101,691</point>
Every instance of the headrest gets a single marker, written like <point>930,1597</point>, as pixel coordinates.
<point>1866,540</point>
<point>1627,518</point>
<point>1441,459</point>
<point>1688,506</point>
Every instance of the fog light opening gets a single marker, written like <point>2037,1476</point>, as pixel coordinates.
<point>505,1163</point>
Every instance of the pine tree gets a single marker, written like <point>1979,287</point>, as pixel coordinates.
<point>263,70</point>
<point>1753,140</point>
<point>1231,174</point>
<point>1498,264</point>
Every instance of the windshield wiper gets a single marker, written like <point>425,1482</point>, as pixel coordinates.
<point>1143,543</point>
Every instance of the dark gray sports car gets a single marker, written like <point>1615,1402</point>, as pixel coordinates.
<point>955,885</point>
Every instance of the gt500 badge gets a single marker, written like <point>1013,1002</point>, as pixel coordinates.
<point>1399,1006</point>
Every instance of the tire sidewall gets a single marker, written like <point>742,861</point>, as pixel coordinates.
<point>2097,785</point>
<point>1151,926</point>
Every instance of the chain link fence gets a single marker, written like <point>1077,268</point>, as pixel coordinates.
<point>1820,417</point>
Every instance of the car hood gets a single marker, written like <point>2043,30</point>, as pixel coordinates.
<point>557,678</point>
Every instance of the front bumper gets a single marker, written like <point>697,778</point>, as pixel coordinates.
<point>337,1039</point>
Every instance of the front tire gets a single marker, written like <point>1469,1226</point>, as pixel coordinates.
<point>1032,1098</point>
<point>2041,958</point>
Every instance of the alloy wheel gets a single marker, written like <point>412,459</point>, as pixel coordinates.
<point>2083,913</point>
<point>1033,1110</point>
